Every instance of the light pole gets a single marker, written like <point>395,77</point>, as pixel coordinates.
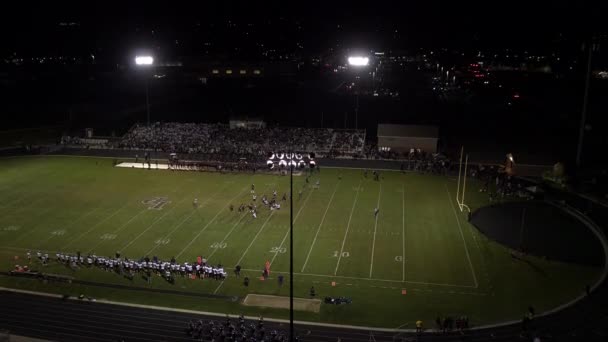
<point>357,62</point>
<point>145,62</point>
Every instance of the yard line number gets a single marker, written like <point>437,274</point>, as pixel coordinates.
<point>278,250</point>
<point>219,245</point>
<point>344,254</point>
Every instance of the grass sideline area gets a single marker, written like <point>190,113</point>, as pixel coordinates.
<point>418,259</point>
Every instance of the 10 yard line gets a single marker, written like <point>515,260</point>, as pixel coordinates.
<point>319,228</point>
<point>371,266</point>
<point>352,210</point>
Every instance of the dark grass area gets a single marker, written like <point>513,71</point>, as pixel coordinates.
<point>541,229</point>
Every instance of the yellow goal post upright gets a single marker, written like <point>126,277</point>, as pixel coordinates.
<point>459,196</point>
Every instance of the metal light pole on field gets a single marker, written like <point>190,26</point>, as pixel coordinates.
<point>357,62</point>
<point>291,328</point>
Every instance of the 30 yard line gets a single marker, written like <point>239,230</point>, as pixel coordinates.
<point>352,210</point>
<point>466,249</point>
<point>319,228</point>
<point>209,223</point>
<point>371,265</point>
<point>403,230</point>
<point>227,235</point>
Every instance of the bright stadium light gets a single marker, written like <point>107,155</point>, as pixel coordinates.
<point>144,60</point>
<point>358,61</point>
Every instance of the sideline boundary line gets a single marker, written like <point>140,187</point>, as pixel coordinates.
<point>466,248</point>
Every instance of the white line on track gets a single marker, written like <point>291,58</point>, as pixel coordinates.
<point>255,237</point>
<point>319,228</point>
<point>294,221</point>
<point>352,210</point>
<point>403,232</point>
<point>466,249</point>
<point>371,265</point>
<point>211,221</point>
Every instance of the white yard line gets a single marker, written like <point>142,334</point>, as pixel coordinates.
<point>228,234</point>
<point>210,222</point>
<point>371,265</point>
<point>294,221</point>
<point>255,237</point>
<point>403,231</point>
<point>352,210</point>
<point>95,225</point>
<point>192,213</point>
<point>119,228</point>
<point>70,224</point>
<point>167,212</point>
<point>319,228</point>
<point>218,287</point>
<point>466,249</point>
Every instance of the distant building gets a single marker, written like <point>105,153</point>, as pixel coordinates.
<point>402,138</point>
<point>247,123</point>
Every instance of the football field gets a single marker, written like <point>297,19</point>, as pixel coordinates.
<point>416,259</point>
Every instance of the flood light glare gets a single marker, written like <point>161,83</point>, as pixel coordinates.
<point>144,60</point>
<point>358,61</point>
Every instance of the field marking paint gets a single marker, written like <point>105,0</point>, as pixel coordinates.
<point>294,221</point>
<point>403,233</point>
<point>70,224</point>
<point>466,249</point>
<point>371,265</point>
<point>188,217</point>
<point>218,287</point>
<point>95,225</point>
<point>352,210</point>
<point>227,235</point>
<point>320,224</point>
<point>211,221</point>
<point>120,228</point>
<point>368,279</point>
<point>255,237</point>
<point>153,223</point>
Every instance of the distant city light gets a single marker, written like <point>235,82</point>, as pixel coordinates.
<point>144,60</point>
<point>358,61</point>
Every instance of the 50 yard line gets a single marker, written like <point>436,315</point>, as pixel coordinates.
<point>371,265</point>
<point>352,210</point>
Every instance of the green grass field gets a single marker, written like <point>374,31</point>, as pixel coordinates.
<point>419,242</point>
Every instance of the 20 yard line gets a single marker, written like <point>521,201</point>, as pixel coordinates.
<point>319,228</point>
<point>466,249</point>
<point>352,210</point>
<point>371,265</point>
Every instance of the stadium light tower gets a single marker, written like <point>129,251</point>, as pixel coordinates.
<point>143,62</point>
<point>357,62</point>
